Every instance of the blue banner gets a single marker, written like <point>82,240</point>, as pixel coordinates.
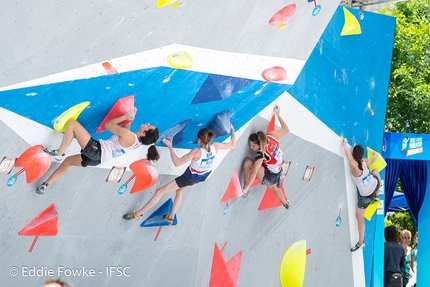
<point>406,146</point>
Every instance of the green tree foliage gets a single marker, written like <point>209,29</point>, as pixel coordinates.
<point>402,221</point>
<point>408,106</point>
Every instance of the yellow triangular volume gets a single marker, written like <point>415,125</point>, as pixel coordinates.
<point>379,162</point>
<point>351,26</point>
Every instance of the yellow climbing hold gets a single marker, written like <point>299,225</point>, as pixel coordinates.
<point>176,5</point>
<point>293,265</point>
<point>164,3</point>
<point>351,26</point>
<point>180,60</point>
<point>379,163</point>
<point>71,114</point>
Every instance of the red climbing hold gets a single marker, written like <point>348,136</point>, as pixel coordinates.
<point>121,106</point>
<point>146,175</point>
<point>274,74</point>
<point>35,162</point>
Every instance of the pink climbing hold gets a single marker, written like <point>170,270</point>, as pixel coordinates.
<point>274,74</point>
<point>283,15</point>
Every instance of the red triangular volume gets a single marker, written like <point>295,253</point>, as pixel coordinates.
<point>45,224</point>
<point>220,275</point>
<point>234,189</point>
<point>121,106</point>
<point>256,181</point>
<point>271,126</point>
<point>146,175</point>
<point>270,200</point>
<point>233,266</point>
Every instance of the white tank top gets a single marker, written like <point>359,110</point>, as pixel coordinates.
<point>204,164</point>
<point>365,183</point>
<point>111,148</point>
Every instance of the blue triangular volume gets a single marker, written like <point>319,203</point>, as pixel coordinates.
<point>220,123</point>
<point>176,133</point>
<point>217,87</point>
<point>156,218</point>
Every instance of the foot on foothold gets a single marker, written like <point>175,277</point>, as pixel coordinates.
<point>287,205</point>
<point>358,246</point>
<point>41,189</point>
<point>54,153</point>
<point>131,215</point>
<point>166,217</point>
<point>375,199</point>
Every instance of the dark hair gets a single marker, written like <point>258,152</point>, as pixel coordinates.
<point>150,137</point>
<point>205,135</point>
<point>390,234</point>
<point>259,138</point>
<point>357,154</point>
<point>59,282</point>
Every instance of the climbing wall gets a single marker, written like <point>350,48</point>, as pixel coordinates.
<point>188,65</point>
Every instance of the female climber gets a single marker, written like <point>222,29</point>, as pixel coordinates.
<point>94,152</point>
<point>267,166</point>
<point>199,169</point>
<point>367,183</point>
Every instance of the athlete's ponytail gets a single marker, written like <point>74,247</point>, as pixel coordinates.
<point>205,135</point>
<point>150,137</point>
<point>357,154</point>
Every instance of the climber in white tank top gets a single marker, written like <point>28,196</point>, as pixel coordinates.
<point>111,148</point>
<point>366,182</point>
<point>94,152</point>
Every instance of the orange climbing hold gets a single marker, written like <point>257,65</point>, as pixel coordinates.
<point>224,273</point>
<point>146,175</point>
<point>45,224</point>
<point>270,200</point>
<point>121,106</point>
<point>109,68</point>
<point>234,189</point>
<point>35,162</point>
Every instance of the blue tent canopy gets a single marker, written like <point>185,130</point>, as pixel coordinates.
<point>398,203</point>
